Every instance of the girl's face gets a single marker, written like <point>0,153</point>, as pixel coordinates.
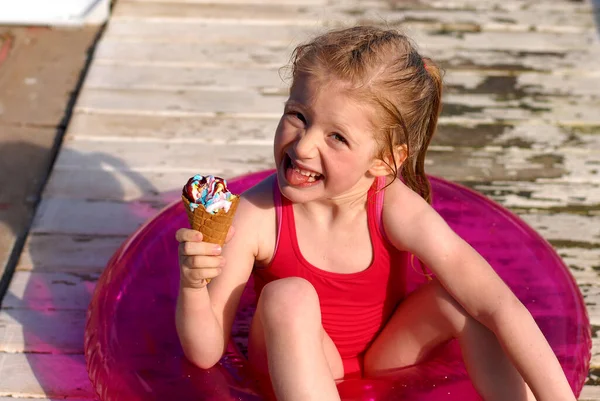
<point>324,143</point>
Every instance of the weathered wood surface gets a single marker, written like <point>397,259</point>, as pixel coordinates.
<point>178,88</point>
<point>373,12</point>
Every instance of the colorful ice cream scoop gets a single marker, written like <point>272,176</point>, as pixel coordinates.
<point>210,192</point>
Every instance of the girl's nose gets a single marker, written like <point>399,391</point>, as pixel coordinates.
<point>306,146</point>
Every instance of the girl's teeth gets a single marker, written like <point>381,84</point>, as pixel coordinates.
<point>311,179</point>
<point>305,173</point>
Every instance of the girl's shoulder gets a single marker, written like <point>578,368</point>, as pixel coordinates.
<point>403,199</point>
<point>403,212</point>
<point>260,195</point>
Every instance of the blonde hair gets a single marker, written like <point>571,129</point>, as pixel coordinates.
<point>385,69</point>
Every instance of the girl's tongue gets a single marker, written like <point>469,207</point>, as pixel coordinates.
<point>295,178</point>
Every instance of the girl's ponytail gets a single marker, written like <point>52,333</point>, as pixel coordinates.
<point>413,171</point>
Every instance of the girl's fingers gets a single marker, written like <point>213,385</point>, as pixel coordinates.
<point>199,248</point>
<point>187,234</point>
<point>203,274</point>
<point>202,262</point>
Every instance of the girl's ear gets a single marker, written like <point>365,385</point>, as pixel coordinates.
<point>384,167</point>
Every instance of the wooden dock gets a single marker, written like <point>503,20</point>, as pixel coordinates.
<point>180,87</point>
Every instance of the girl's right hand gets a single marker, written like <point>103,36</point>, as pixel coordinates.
<point>198,261</point>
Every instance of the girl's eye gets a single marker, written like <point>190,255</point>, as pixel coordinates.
<point>298,115</point>
<point>339,138</point>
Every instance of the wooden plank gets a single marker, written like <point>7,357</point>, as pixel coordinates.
<point>556,110</point>
<point>43,375</point>
<point>156,31</point>
<point>511,5</point>
<point>269,80</point>
<point>50,291</point>
<point>479,5</point>
<point>561,229</point>
<point>462,164</point>
<point>595,359</point>
<point>166,186</point>
<point>260,131</point>
<point>45,332</point>
<point>191,54</point>
<point>68,253</point>
<point>590,393</point>
<point>181,102</point>
<point>157,188</point>
<point>102,76</point>
<point>232,159</point>
<point>583,263</point>
<point>199,54</point>
<point>523,85</point>
<point>566,196</point>
<point>591,295</point>
<point>117,218</point>
<point>296,14</point>
<point>243,157</point>
<point>307,2</point>
<point>253,104</point>
<point>103,218</point>
<point>152,128</point>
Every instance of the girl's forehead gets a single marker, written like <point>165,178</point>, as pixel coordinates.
<point>310,90</point>
<point>334,97</point>
<point>333,101</point>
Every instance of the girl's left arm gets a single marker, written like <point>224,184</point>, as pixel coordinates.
<point>413,225</point>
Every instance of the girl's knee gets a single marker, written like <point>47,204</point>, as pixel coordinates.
<point>289,301</point>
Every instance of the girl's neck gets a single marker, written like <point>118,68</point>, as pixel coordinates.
<point>333,210</point>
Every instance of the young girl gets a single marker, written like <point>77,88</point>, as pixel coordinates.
<point>331,234</point>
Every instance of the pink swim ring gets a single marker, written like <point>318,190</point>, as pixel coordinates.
<point>133,353</point>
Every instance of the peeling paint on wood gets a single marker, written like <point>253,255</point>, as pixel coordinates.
<point>373,12</point>
<point>207,103</point>
<point>232,55</point>
<point>180,31</point>
<point>273,80</point>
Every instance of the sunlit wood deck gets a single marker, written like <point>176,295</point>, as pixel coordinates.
<point>177,88</point>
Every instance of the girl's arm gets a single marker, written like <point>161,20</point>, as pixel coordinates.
<point>413,225</point>
<point>205,315</point>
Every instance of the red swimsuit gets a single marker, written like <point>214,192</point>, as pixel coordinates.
<point>355,306</point>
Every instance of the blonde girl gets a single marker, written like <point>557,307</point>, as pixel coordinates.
<point>329,239</point>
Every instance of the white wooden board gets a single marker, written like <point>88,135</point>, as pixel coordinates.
<point>44,375</point>
<point>203,32</point>
<point>50,291</point>
<point>235,55</point>
<point>68,253</point>
<point>375,12</point>
<point>206,103</point>
<point>487,163</point>
<point>42,332</point>
<point>274,80</point>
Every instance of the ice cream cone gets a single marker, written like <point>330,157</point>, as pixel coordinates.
<point>214,227</point>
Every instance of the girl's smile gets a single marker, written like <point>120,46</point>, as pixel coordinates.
<point>299,176</point>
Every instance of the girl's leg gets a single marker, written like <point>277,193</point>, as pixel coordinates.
<point>427,318</point>
<point>288,340</point>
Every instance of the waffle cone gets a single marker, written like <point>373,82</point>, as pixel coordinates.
<point>214,227</point>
